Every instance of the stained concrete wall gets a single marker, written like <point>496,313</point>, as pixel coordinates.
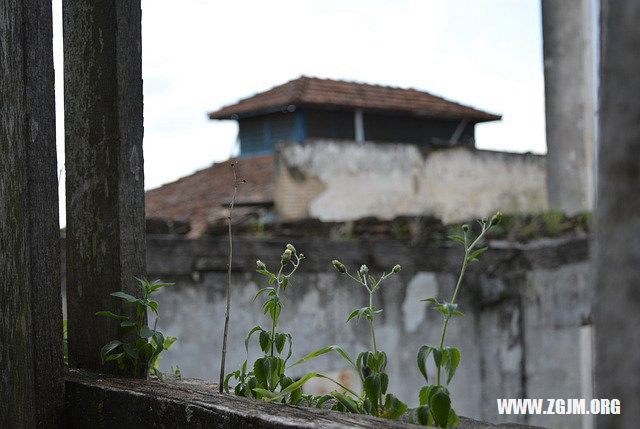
<point>339,181</point>
<point>526,308</point>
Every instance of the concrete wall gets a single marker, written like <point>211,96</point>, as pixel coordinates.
<point>526,308</point>
<point>570,105</point>
<point>343,181</point>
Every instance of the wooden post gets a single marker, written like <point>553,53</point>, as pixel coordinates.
<point>31,382</point>
<point>617,227</point>
<point>104,164</point>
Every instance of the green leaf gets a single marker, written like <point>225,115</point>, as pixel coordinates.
<point>266,273</point>
<point>295,396</point>
<point>265,341</point>
<point>477,253</point>
<point>432,300</point>
<point>266,393</point>
<point>280,340</point>
<point>125,296</point>
<point>146,332</point>
<point>423,354</point>
<point>423,415</point>
<point>440,405</point>
<point>234,374</point>
<point>348,403</point>
<point>130,350</point>
<point>110,314</point>
<point>252,383</point>
<point>453,359</point>
<point>246,340</point>
<point>372,388</point>
<point>355,313</point>
<point>457,238</point>
<point>366,406</point>
<point>262,371</point>
<point>425,394</point>
<point>113,357</point>
<point>324,350</point>
<point>453,419</point>
<point>285,381</point>
<point>384,383</point>
<point>394,407</point>
<point>322,400</point>
<point>380,361</point>
<point>261,291</point>
<point>153,305</point>
<point>298,384</point>
<point>109,347</point>
<point>438,354</point>
<point>157,285</point>
<point>290,345</point>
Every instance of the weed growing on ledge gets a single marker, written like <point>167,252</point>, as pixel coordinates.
<point>65,342</point>
<point>435,400</point>
<point>143,352</point>
<point>268,374</point>
<point>369,365</point>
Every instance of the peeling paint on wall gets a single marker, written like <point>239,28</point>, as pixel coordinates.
<point>343,181</point>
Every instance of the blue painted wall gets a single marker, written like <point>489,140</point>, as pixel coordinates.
<point>260,134</point>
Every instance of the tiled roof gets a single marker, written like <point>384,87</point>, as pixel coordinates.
<point>201,197</point>
<point>309,91</point>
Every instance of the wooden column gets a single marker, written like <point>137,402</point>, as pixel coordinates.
<point>31,383</point>
<point>104,164</point>
<point>617,227</point>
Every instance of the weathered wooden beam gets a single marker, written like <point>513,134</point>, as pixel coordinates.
<point>31,381</point>
<point>617,227</point>
<point>104,164</point>
<point>44,225</point>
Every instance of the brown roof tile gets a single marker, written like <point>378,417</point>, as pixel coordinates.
<point>200,197</point>
<point>309,91</point>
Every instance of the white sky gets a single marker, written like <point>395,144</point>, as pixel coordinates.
<point>199,55</point>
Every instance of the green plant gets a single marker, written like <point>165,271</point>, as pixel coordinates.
<point>141,353</point>
<point>268,374</point>
<point>369,365</point>
<point>435,399</point>
<point>65,342</point>
<point>176,371</point>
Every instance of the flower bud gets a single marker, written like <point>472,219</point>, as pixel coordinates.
<point>290,247</point>
<point>339,266</point>
<point>286,257</point>
<point>496,218</point>
<point>485,219</point>
<point>397,268</point>
<point>465,227</point>
<point>364,270</point>
<point>261,265</point>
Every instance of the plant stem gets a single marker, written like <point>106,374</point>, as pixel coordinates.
<point>274,320</point>
<point>467,252</point>
<point>226,315</point>
<point>373,330</point>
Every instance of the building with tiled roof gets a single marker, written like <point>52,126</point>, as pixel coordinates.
<point>305,110</point>
<point>203,197</point>
<point>311,108</point>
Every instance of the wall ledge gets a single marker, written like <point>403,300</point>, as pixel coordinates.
<point>99,400</point>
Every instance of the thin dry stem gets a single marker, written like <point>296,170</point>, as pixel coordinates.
<point>226,316</point>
